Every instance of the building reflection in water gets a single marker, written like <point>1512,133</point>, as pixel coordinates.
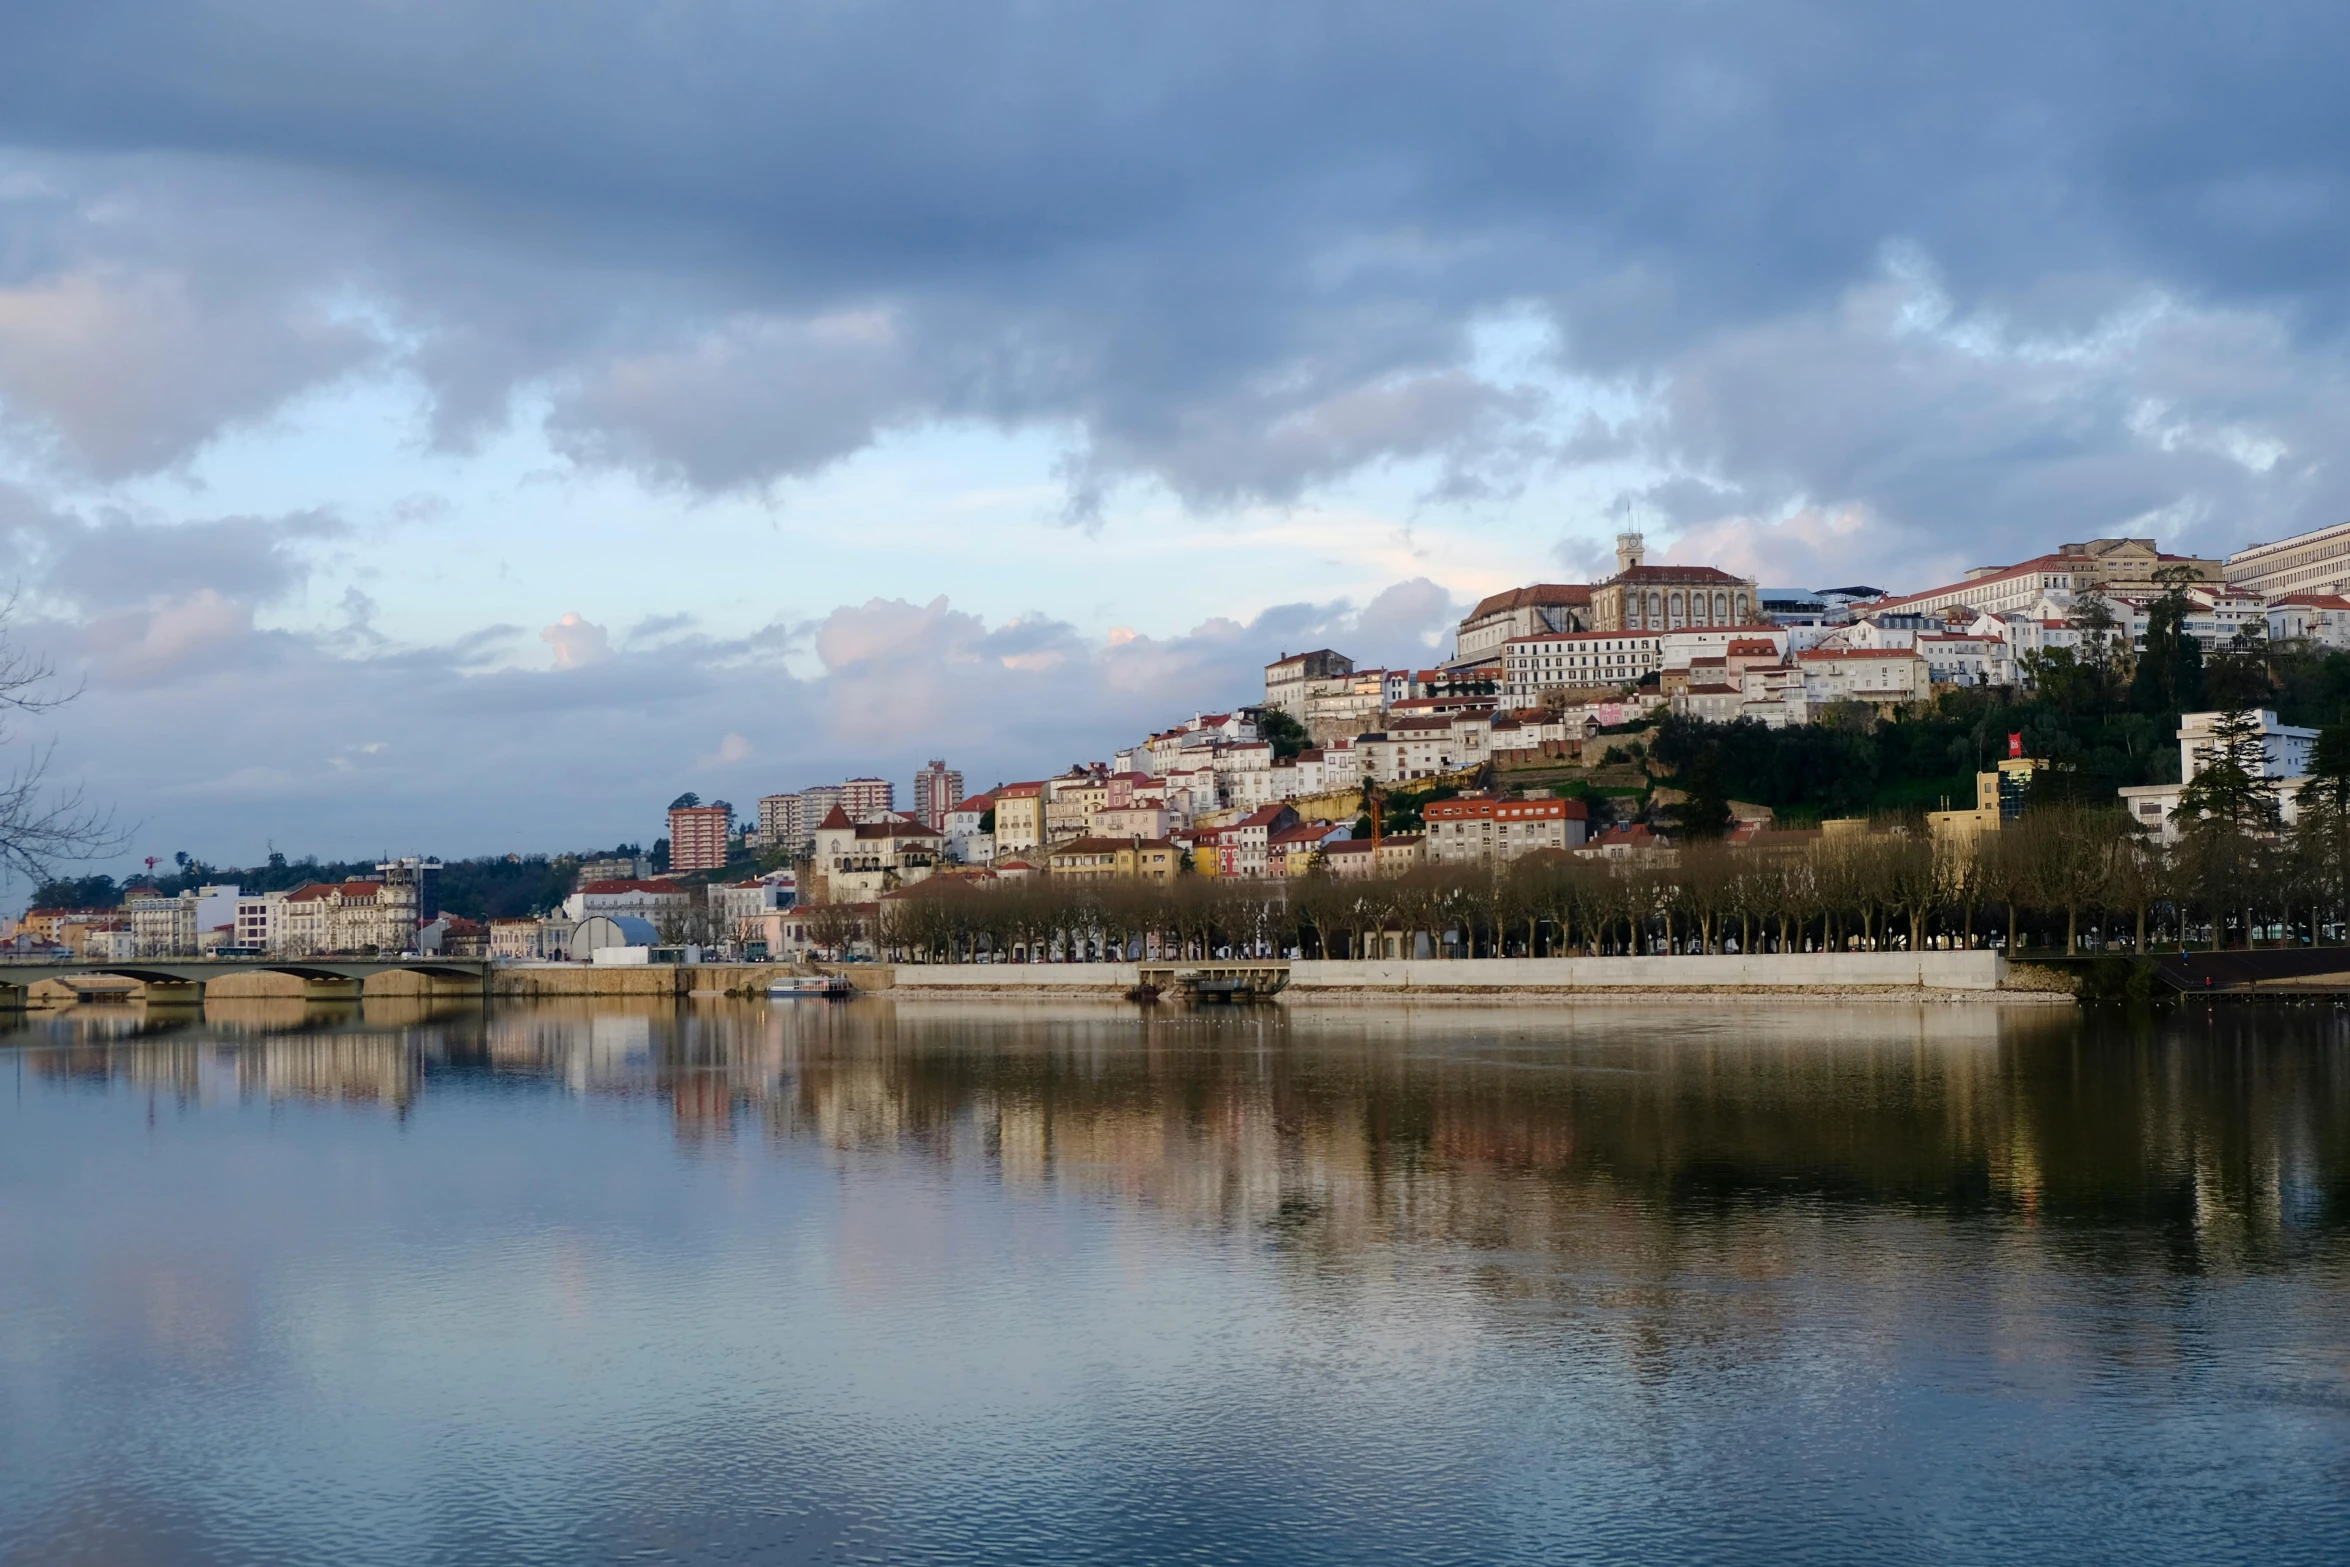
<point>1338,1133</point>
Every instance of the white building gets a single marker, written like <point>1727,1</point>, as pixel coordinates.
<point>2284,756</point>
<point>1965,659</point>
<point>1543,609</point>
<point>783,821</point>
<point>2284,748</point>
<point>1862,675</point>
<point>969,840</point>
<point>2321,619</point>
<point>173,925</point>
<point>862,860</point>
<point>1423,747</point>
<point>2111,566</point>
<point>2313,562</point>
<point>646,900</point>
<point>1581,660</point>
<point>1295,677</point>
<point>1343,708</point>
<point>261,922</point>
<point>731,901</point>
<point>1680,649</point>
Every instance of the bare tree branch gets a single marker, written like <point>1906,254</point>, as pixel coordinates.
<point>42,828</point>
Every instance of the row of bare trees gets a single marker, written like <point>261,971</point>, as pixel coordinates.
<point>2059,877</point>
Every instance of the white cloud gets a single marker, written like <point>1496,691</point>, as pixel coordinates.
<point>577,641</point>
<point>732,748</point>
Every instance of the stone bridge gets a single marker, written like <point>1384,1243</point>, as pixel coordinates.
<point>182,980</point>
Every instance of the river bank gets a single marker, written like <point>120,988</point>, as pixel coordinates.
<point>1942,976</point>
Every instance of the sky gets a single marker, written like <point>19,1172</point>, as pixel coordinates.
<point>459,426</point>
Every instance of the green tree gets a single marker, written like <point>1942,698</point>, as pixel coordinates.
<point>2169,676</point>
<point>2228,819</point>
<point>2322,833</point>
<point>2232,789</point>
<point>2238,675</point>
<point>1283,733</point>
<point>686,801</point>
<point>1705,814</point>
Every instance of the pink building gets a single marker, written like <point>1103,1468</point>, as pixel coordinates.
<point>697,837</point>
<point>938,789</point>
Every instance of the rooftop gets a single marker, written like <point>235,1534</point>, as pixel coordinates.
<point>1677,574</point>
<point>1573,595</point>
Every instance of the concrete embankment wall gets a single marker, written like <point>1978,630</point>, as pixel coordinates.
<point>1788,973</point>
<point>1051,979</point>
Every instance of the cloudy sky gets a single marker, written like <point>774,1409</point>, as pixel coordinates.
<point>460,425</point>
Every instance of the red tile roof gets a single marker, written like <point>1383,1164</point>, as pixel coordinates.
<point>1573,595</point>
<point>896,828</point>
<point>2032,567</point>
<point>1664,574</point>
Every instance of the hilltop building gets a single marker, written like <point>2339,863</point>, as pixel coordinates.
<point>1542,609</point>
<point>1641,597</point>
<point>2313,562</point>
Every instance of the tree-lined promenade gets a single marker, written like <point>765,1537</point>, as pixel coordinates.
<point>2061,877</point>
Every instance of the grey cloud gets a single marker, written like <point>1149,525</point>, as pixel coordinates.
<point>1940,441</point>
<point>118,560</point>
<point>345,745</point>
<point>139,316</point>
<point>1234,251</point>
<point>467,753</point>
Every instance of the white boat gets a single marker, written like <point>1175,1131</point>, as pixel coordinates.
<point>820,986</point>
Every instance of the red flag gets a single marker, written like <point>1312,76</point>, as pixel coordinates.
<point>2015,744</point>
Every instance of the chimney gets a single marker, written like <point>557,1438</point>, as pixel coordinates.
<point>1629,549</point>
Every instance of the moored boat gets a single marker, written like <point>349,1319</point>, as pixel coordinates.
<point>819,986</point>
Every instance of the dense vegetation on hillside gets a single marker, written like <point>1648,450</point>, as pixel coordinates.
<point>2102,724</point>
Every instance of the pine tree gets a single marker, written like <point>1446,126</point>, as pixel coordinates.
<point>2233,789</point>
<point>2228,820</point>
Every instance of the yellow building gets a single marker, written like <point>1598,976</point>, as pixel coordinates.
<point>1998,795</point>
<point>1116,859</point>
<point>1019,817</point>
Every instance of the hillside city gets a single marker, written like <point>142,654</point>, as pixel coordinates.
<point>1607,722</point>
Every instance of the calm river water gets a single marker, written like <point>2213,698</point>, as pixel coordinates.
<point>957,1282</point>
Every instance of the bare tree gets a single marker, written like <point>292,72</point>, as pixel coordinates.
<point>41,827</point>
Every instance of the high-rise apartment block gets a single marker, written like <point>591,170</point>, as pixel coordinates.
<point>938,789</point>
<point>783,820</point>
<point>697,837</point>
<point>818,801</point>
<point>867,799</point>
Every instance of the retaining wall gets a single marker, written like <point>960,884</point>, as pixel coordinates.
<point>1790,972</point>
<point>1028,978</point>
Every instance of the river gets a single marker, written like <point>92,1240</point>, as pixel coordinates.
<point>995,1282</point>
